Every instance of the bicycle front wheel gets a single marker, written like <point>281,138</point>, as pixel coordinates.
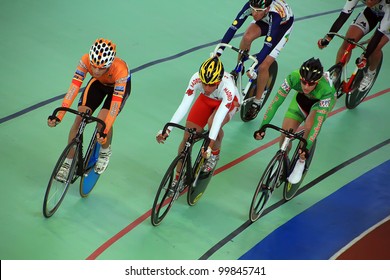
<point>251,92</point>
<point>167,193</point>
<point>269,180</point>
<point>355,97</point>
<point>290,190</point>
<point>90,177</point>
<point>57,187</point>
<point>335,75</point>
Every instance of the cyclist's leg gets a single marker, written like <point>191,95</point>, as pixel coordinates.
<point>376,56</point>
<point>292,119</point>
<point>251,33</point>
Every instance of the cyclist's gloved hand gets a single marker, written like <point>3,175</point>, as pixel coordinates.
<point>206,154</point>
<point>361,62</point>
<point>252,74</point>
<point>322,43</point>
<point>304,154</point>
<point>52,121</point>
<point>160,138</point>
<point>259,134</point>
<point>102,139</point>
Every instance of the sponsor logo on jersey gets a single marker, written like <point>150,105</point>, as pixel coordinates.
<point>235,22</point>
<point>317,128</point>
<point>190,92</point>
<point>285,86</point>
<point>325,103</point>
<point>228,94</point>
<point>194,82</point>
<point>269,39</point>
<point>119,88</point>
<point>80,73</point>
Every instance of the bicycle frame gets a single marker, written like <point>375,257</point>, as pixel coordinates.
<point>239,67</point>
<point>346,83</point>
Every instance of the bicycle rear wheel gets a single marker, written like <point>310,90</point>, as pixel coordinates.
<point>166,195</point>
<point>269,180</point>
<point>290,190</point>
<point>90,177</point>
<point>335,75</point>
<point>251,92</point>
<point>56,189</point>
<point>355,97</point>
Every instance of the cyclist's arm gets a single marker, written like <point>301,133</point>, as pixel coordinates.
<point>187,100</point>
<point>279,98</point>
<point>117,98</point>
<point>325,107</point>
<point>272,39</point>
<point>220,114</point>
<point>237,23</point>
<point>78,78</point>
<point>343,17</point>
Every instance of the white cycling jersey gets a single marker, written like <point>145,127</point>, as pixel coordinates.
<point>225,93</point>
<point>382,9</point>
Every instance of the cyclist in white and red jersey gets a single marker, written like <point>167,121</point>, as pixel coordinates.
<point>376,12</point>
<point>110,84</point>
<point>216,104</point>
<point>273,19</point>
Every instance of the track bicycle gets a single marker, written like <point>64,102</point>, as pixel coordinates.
<point>248,92</point>
<point>82,164</point>
<point>278,170</point>
<point>190,175</point>
<point>350,85</point>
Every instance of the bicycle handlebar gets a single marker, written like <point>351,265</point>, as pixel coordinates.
<point>243,53</point>
<point>189,130</point>
<point>86,116</point>
<point>351,41</point>
<point>289,134</point>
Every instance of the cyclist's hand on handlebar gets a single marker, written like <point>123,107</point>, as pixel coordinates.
<point>102,139</point>
<point>322,43</point>
<point>52,121</point>
<point>259,134</point>
<point>361,62</point>
<point>160,138</point>
<point>252,74</point>
<point>206,153</point>
<point>303,154</point>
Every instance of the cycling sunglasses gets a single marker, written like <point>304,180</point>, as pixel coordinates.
<point>306,83</point>
<point>257,9</point>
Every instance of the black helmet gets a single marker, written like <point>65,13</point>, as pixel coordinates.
<point>211,71</point>
<point>311,70</point>
<point>262,4</point>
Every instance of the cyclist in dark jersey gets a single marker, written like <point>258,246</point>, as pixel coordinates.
<point>313,101</point>
<point>274,20</point>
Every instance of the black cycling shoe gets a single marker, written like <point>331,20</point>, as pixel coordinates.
<point>253,111</point>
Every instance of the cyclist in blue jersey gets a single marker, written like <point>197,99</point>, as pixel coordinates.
<point>273,19</point>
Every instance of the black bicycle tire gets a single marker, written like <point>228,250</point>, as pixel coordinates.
<point>158,203</point>
<point>86,171</point>
<point>195,169</point>
<point>290,192</point>
<point>47,213</point>
<point>356,96</point>
<point>273,72</point>
<point>258,204</point>
<point>336,83</point>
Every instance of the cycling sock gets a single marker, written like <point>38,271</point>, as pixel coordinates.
<point>216,152</point>
<point>371,72</point>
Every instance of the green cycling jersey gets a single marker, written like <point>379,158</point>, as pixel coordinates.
<point>321,99</point>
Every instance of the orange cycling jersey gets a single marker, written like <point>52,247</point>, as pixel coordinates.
<point>116,77</point>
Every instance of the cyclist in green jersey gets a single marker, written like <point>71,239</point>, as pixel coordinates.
<point>313,101</point>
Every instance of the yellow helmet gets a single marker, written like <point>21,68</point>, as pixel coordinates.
<point>211,71</point>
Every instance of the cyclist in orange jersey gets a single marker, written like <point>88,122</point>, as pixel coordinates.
<point>110,84</point>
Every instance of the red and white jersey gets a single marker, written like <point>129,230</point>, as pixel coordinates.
<point>226,93</point>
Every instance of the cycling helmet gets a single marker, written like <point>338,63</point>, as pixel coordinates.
<point>211,71</point>
<point>102,53</point>
<point>262,4</point>
<point>311,70</point>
